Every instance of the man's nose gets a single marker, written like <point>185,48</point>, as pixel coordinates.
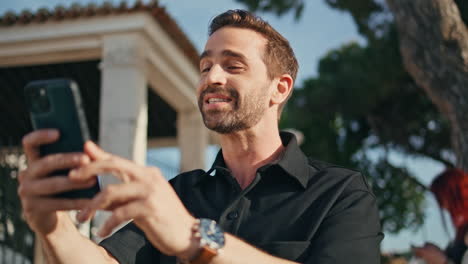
<point>216,76</point>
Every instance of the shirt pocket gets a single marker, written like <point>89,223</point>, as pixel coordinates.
<point>291,250</point>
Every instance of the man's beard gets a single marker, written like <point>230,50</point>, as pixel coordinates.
<point>245,113</point>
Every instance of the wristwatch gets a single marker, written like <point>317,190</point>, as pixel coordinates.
<point>211,240</point>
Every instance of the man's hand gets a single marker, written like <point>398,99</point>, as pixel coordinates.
<point>144,196</point>
<point>431,254</point>
<point>36,188</point>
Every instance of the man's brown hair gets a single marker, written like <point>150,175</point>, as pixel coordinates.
<point>279,57</point>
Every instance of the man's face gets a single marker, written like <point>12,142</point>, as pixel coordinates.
<point>233,93</point>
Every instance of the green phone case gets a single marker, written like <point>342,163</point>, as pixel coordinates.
<point>62,111</point>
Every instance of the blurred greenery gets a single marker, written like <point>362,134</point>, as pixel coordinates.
<point>363,101</point>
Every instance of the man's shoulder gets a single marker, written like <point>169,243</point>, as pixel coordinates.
<point>187,180</point>
<point>320,165</point>
<point>185,185</point>
<point>338,175</point>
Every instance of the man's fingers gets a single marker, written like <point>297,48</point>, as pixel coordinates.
<point>121,168</point>
<point>95,152</point>
<point>120,215</point>
<point>32,142</point>
<point>111,197</point>
<point>52,185</point>
<point>56,162</point>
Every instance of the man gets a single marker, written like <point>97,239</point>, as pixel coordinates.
<point>274,204</point>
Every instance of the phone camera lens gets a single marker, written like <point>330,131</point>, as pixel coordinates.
<point>39,100</point>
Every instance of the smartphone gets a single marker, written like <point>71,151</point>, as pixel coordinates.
<point>57,104</point>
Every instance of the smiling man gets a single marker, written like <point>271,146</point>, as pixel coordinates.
<point>263,200</point>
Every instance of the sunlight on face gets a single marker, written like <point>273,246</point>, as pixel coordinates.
<point>234,85</point>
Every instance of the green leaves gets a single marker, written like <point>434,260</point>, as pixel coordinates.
<point>400,198</point>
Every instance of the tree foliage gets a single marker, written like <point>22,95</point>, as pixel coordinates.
<point>364,101</point>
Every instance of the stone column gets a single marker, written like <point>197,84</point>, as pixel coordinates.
<point>123,109</point>
<point>192,137</point>
<point>123,112</point>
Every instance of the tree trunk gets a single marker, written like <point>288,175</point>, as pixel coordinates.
<point>434,46</point>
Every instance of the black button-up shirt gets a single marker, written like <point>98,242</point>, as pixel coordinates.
<point>296,208</point>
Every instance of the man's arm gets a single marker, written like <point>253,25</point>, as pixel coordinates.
<point>129,244</point>
<point>45,215</point>
<point>237,251</point>
<point>67,245</point>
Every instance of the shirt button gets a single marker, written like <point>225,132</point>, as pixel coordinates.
<point>233,215</point>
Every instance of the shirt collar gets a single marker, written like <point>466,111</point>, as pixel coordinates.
<point>292,161</point>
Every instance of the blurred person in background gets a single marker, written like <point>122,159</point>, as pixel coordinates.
<point>450,189</point>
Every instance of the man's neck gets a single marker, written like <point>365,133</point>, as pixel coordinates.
<point>246,151</point>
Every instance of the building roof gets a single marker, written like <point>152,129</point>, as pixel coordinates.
<point>14,118</point>
<point>76,11</point>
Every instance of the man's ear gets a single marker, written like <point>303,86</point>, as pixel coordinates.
<point>283,88</point>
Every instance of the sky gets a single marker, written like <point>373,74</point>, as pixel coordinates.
<point>319,30</point>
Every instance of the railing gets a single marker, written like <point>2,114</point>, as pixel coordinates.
<point>169,171</point>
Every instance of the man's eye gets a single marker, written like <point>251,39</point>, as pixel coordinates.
<point>207,69</point>
<point>234,68</point>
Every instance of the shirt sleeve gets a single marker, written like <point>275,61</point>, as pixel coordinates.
<point>129,246</point>
<point>350,233</point>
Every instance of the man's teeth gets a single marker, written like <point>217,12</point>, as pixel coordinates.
<point>216,100</point>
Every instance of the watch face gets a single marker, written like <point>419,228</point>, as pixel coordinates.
<point>211,233</point>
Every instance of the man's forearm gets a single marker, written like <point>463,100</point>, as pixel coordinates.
<point>237,251</point>
<point>67,245</point>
